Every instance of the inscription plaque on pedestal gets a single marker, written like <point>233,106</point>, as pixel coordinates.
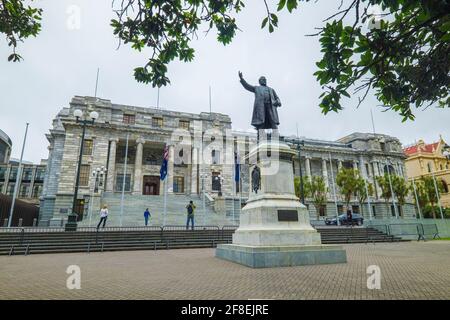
<point>287,215</point>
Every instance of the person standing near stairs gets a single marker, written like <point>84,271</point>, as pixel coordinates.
<point>190,214</point>
<point>147,215</point>
<point>103,216</point>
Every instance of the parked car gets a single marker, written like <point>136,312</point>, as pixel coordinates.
<point>357,219</point>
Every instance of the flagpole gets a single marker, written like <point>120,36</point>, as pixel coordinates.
<point>123,182</point>
<point>165,200</point>
<point>18,178</point>
<point>234,193</point>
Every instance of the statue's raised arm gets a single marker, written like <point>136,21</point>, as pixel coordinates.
<point>245,84</point>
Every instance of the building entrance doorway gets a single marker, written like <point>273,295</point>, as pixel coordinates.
<point>151,186</point>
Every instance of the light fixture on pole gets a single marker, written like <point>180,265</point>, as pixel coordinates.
<point>388,167</point>
<point>334,189</point>
<point>203,176</point>
<point>98,175</point>
<point>80,117</point>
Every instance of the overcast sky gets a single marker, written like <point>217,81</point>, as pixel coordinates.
<point>61,63</point>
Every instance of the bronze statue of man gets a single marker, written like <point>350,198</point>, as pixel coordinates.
<point>265,114</point>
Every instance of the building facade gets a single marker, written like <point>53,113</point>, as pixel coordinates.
<point>5,147</point>
<point>127,143</point>
<point>31,180</point>
<point>430,160</point>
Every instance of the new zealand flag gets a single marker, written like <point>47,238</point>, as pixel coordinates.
<point>163,170</point>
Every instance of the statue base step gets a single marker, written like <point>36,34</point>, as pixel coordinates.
<point>281,256</point>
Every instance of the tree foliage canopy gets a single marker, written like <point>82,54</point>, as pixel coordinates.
<point>348,182</point>
<point>402,52</point>
<point>18,22</point>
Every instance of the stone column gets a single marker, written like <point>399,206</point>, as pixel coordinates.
<point>355,165</point>
<point>111,165</point>
<point>308,166</point>
<point>170,170</point>
<point>376,173</point>
<point>137,186</point>
<point>339,165</point>
<point>325,172</point>
<point>194,173</point>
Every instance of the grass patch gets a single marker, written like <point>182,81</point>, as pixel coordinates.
<point>448,239</point>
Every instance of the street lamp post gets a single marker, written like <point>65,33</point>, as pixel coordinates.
<point>334,190</point>
<point>203,176</point>
<point>98,175</point>
<point>388,163</point>
<point>71,224</point>
<point>297,142</point>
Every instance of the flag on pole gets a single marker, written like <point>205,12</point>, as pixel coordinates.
<point>163,170</point>
<point>237,165</point>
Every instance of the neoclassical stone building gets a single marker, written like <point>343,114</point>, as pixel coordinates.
<point>127,143</point>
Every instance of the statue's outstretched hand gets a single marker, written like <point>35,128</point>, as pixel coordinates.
<point>240,75</point>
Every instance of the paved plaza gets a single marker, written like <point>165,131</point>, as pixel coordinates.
<point>408,271</point>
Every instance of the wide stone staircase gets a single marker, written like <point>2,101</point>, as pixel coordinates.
<point>23,241</point>
<point>341,235</point>
<point>135,205</point>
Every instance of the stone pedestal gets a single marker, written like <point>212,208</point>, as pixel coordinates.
<point>274,226</point>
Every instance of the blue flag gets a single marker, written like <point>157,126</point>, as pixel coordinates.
<point>163,170</point>
<point>237,167</point>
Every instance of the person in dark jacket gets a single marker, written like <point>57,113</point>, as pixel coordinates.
<point>349,217</point>
<point>190,214</point>
<point>147,215</point>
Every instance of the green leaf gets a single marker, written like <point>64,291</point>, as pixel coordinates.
<point>281,5</point>
<point>264,22</point>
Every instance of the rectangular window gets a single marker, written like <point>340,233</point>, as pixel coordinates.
<point>85,170</point>
<point>88,145</point>
<point>37,191</point>
<point>3,173</point>
<point>129,118</point>
<point>27,174</point>
<point>157,122</point>
<point>178,184</point>
<point>374,211</point>
<point>24,189</point>
<point>323,211</point>
<point>367,170</point>
<point>13,174</point>
<point>119,182</point>
<point>10,190</point>
<point>355,209</point>
<point>184,124</point>
<point>40,173</point>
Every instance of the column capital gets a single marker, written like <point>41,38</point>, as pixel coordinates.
<point>140,140</point>
<point>114,139</point>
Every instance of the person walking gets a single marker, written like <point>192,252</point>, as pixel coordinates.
<point>190,214</point>
<point>147,215</point>
<point>103,216</point>
<point>349,218</point>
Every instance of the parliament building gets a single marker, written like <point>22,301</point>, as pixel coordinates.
<point>123,152</point>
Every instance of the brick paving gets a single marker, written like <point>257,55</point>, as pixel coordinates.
<point>408,271</point>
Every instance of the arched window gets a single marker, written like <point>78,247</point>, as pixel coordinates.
<point>429,167</point>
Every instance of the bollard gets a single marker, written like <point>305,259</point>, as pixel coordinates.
<point>20,222</point>
<point>5,223</point>
<point>34,222</point>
